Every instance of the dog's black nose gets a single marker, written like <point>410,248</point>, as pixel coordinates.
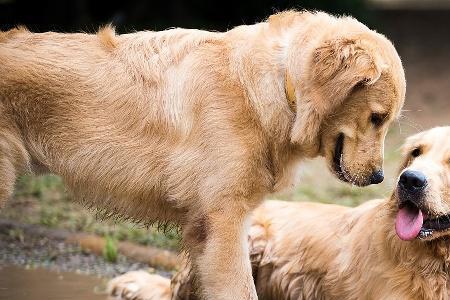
<point>377,177</point>
<point>412,181</point>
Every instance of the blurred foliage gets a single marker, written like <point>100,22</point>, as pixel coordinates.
<point>156,15</point>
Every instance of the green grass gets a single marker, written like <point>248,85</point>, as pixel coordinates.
<point>110,252</point>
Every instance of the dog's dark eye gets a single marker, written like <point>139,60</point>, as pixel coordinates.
<point>416,152</point>
<point>377,119</point>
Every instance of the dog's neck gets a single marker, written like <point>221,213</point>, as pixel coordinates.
<point>259,56</point>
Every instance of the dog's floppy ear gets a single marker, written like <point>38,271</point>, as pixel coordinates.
<point>335,68</point>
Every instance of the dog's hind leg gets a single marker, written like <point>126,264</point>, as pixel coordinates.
<point>14,158</point>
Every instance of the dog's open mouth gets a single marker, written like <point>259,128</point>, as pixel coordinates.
<point>337,158</point>
<point>411,223</point>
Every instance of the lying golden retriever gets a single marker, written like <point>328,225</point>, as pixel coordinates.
<point>397,248</point>
<point>196,127</point>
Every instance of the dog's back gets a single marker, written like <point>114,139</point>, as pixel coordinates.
<point>76,110</point>
<point>97,110</point>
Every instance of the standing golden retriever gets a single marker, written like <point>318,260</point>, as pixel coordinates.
<point>398,248</point>
<point>195,127</point>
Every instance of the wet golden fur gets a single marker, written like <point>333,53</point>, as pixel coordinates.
<point>318,251</point>
<point>195,127</point>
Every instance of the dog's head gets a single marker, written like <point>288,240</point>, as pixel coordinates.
<point>351,90</point>
<point>422,195</point>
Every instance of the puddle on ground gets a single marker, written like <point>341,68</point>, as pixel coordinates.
<point>38,284</point>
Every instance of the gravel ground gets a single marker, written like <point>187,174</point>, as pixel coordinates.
<point>37,247</point>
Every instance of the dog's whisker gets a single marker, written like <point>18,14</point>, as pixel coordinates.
<point>399,126</point>
<point>412,124</point>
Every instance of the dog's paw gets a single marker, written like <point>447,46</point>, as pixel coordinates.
<point>139,285</point>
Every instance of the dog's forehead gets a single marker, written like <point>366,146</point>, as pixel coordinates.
<point>435,141</point>
<point>385,97</point>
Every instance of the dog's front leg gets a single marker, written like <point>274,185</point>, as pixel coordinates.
<point>219,249</point>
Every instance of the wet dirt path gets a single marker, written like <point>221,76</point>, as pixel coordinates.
<point>17,283</point>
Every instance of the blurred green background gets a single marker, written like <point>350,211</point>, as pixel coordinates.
<point>419,30</point>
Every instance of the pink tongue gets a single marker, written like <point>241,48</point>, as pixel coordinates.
<point>408,223</point>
